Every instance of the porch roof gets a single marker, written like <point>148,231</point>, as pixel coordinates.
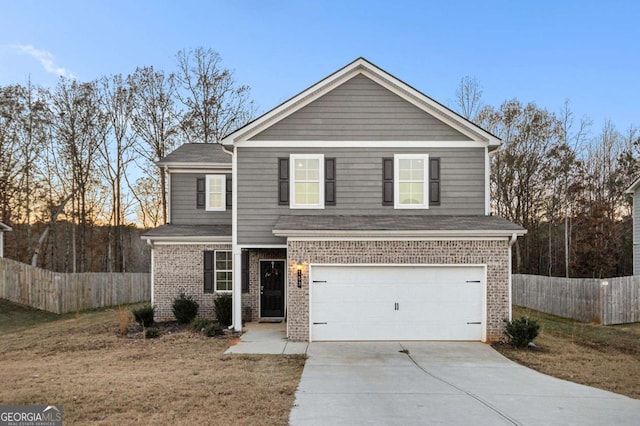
<point>394,224</point>
<point>189,232</point>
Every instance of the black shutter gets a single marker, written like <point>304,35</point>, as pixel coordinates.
<point>209,271</point>
<point>283,181</point>
<point>245,271</point>
<point>387,181</point>
<point>330,181</point>
<point>434,181</point>
<point>200,197</point>
<point>229,193</point>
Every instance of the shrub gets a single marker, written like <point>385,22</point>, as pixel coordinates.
<point>207,326</point>
<point>223,305</point>
<point>521,331</point>
<point>185,308</point>
<point>151,333</point>
<point>144,315</point>
<point>124,317</point>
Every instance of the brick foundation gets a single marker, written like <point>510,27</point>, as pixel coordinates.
<point>494,254</point>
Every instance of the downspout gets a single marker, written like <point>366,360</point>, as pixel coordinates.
<point>168,175</point>
<point>236,311</point>
<point>150,244</point>
<point>512,241</point>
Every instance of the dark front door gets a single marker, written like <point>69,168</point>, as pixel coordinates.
<point>272,274</point>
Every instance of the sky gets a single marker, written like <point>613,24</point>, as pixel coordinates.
<point>536,51</point>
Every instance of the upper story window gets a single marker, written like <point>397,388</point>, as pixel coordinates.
<point>411,179</point>
<point>215,192</point>
<point>307,181</point>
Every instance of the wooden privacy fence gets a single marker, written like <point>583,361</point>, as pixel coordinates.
<point>607,301</point>
<point>60,292</point>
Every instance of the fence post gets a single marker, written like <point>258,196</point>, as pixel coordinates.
<point>604,303</point>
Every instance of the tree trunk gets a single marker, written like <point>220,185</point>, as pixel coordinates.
<point>45,232</point>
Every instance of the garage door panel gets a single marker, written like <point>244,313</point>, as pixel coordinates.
<point>397,303</point>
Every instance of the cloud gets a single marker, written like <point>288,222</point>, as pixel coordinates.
<point>46,59</point>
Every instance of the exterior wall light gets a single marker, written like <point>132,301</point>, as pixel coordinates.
<point>299,268</point>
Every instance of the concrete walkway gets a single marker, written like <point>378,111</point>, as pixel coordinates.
<point>442,383</point>
<point>266,338</point>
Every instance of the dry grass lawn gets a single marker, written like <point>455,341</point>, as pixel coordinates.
<point>79,361</point>
<point>606,357</point>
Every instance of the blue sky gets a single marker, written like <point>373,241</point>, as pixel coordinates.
<point>542,51</point>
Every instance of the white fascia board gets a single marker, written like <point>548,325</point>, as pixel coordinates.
<point>186,240</point>
<point>430,106</point>
<point>361,66</point>
<point>200,168</point>
<point>295,103</point>
<point>632,189</point>
<point>398,234</point>
<point>5,228</point>
<point>363,144</point>
<point>262,246</point>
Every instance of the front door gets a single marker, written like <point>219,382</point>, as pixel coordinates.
<point>272,273</point>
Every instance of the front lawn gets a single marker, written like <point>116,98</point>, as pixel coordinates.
<point>15,317</point>
<point>606,357</point>
<point>79,361</point>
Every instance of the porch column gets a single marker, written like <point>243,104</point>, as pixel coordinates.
<point>237,288</point>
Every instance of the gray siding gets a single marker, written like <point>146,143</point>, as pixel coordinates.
<point>358,186</point>
<point>183,203</point>
<point>636,232</point>
<point>360,109</point>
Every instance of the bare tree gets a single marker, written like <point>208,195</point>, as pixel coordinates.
<point>214,103</point>
<point>116,153</point>
<point>154,120</point>
<point>469,97</point>
<point>79,124</point>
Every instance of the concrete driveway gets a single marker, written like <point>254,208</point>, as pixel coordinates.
<point>448,383</point>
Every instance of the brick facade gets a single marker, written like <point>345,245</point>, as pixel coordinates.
<point>179,268</point>
<point>493,253</point>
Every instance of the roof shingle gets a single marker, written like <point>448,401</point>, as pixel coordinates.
<point>197,153</point>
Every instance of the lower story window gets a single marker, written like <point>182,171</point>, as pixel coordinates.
<point>223,270</point>
<point>218,271</point>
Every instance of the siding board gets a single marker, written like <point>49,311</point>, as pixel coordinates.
<point>183,202</point>
<point>358,189</point>
<point>360,109</point>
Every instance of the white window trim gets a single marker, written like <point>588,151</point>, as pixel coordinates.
<point>396,181</point>
<point>292,180</point>
<point>223,198</point>
<point>215,271</point>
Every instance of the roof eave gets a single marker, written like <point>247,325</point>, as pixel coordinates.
<point>194,165</point>
<point>632,188</point>
<point>186,239</point>
<point>506,233</point>
<point>320,88</point>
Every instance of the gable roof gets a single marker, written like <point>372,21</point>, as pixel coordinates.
<point>635,185</point>
<point>197,155</point>
<point>386,80</point>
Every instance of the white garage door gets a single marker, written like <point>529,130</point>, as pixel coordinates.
<point>397,302</point>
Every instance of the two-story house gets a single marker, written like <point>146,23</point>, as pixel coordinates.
<point>356,210</point>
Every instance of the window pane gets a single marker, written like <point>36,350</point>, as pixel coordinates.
<point>417,170</point>
<point>215,200</point>
<point>404,171</point>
